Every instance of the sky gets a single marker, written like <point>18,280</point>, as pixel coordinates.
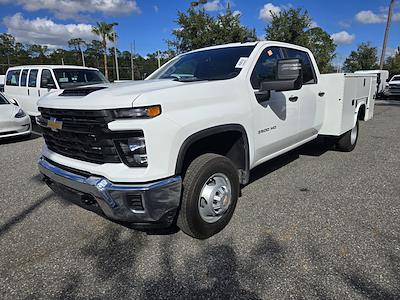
<point>149,23</point>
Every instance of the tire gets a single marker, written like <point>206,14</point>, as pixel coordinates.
<point>214,175</point>
<point>348,141</point>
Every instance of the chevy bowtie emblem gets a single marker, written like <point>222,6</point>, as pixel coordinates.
<point>54,125</point>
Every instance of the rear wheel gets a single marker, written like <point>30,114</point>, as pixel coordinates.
<point>210,193</point>
<point>347,142</point>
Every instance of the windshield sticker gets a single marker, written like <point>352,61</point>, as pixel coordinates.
<point>241,62</point>
<point>270,53</point>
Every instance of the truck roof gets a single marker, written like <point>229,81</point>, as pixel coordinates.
<point>51,67</point>
<point>281,44</point>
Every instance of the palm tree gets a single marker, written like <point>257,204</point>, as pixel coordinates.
<point>76,44</point>
<point>106,32</point>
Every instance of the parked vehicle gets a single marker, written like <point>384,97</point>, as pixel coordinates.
<point>382,79</point>
<point>178,147</point>
<point>13,120</point>
<point>393,88</point>
<point>27,84</point>
<point>2,81</point>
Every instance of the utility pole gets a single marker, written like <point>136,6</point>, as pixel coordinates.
<point>83,57</point>
<point>389,20</point>
<point>132,69</point>
<point>159,58</point>
<point>115,55</point>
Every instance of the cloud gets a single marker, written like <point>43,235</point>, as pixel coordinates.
<point>369,17</point>
<point>156,8</point>
<point>344,24</point>
<point>44,31</point>
<point>267,11</point>
<point>343,37</point>
<point>214,5</point>
<point>73,9</point>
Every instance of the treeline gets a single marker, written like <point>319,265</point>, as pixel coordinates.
<point>13,53</point>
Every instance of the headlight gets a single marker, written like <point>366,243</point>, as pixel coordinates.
<point>20,114</point>
<point>133,151</point>
<point>139,112</point>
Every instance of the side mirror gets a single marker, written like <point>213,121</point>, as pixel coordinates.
<point>289,76</point>
<point>14,102</point>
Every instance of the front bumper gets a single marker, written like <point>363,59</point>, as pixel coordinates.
<point>16,127</point>
<point>148,203</point>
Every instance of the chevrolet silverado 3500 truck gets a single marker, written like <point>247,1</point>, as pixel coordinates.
<point>177,147</point>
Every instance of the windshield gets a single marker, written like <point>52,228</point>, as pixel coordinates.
<point>396,78</point>
<point>69,78</point>
<point>3,100</point>
<point>213,64</point>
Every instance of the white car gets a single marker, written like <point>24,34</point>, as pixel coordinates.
<point>27,84</point>
<point>393,88</point>
<point>179,146</point>
<point>13,120</point>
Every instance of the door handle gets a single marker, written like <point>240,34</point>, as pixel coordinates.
<point>38,92</point>
<point>28,92</point>
<point>321,94</point>
<point>293,99</point>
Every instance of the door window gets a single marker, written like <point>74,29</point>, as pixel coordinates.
<point>13,77</point>
<point>32,78</point>
<point>265,68</point>
<point>24,77</point>
<point>46,79</point>
<point>308,69</point>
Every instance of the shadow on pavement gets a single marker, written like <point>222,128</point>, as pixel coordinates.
<point>23,214</point>
<point>314,148</point>
<point>19,139</point>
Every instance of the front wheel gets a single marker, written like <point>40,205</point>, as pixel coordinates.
<point>347,142</point>
<point>210,193</point>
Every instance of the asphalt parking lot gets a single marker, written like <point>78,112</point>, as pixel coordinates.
<point>313,224</point>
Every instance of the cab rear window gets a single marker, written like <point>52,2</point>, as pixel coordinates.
<point>13,77</point>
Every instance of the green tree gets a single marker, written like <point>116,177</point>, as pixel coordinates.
<point>322,46</point>
<point>228,29</point>
<point>105,32</point>
<point>7,44</point>
<point>295,27</point>
<point>364,58</point>
<point>198,29</point>
<point>393,64</point>
<point>76,44</point>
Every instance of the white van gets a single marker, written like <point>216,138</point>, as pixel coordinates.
<point>27,84</point>
<point>382,79</point>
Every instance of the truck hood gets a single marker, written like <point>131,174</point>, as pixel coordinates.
<point>107,96</point>
<point>394,82</point>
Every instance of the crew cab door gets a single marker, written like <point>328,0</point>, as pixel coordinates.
<point>275,118</point>
<point>310,97</point>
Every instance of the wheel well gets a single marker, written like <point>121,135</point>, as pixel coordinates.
<point>226,141</point>
<point>361,112</point>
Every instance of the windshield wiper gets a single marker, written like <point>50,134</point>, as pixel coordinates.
<point>189,79</point>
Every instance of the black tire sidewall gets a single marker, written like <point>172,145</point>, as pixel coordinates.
<point>197,224</point>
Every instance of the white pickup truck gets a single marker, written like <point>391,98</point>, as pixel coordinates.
<point>177,147</point>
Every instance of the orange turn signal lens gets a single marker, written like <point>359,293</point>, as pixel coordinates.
<point>153,111</point>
